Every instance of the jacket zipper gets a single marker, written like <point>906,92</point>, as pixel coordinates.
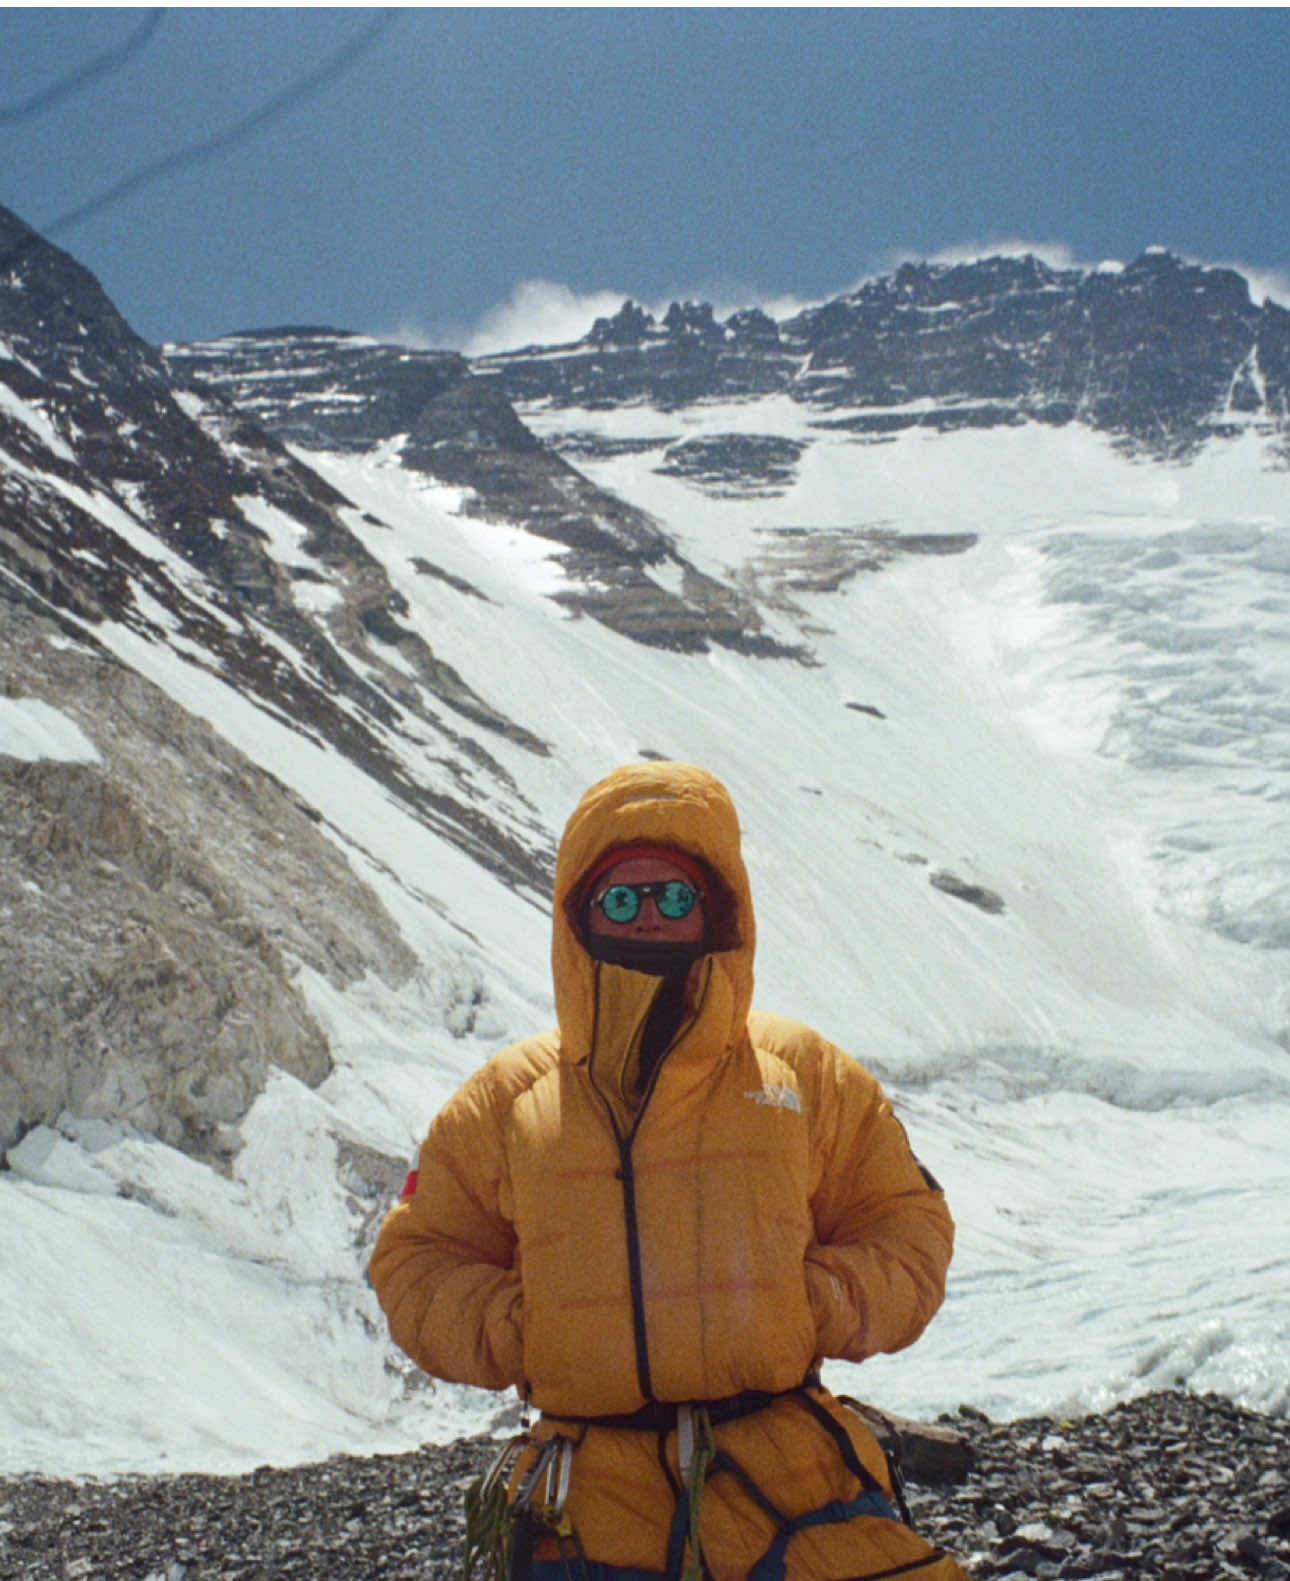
<point>627,1174</point>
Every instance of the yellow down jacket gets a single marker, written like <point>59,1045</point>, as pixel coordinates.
<point>757,1210</point>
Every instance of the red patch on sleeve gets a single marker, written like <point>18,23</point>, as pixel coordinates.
<point>409,1186</point>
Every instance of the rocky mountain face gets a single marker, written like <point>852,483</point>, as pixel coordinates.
<point>137,500</point>
<point>321,389</point>
<point>1161,355</point>
<point>155,901</point>
<point>462,430</point>
<point>160,897</point>
<point>161,892</point>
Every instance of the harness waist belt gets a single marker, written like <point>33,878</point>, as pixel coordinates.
<point>659,1416</point>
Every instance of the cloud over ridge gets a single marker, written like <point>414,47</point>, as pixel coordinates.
<point>541,312</point>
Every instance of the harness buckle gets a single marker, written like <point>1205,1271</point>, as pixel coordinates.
<point>685,1438</point>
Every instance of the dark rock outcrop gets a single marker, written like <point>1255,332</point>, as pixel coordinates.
<point>974,894</point>
<point>735,466</point>
<point>322,389</point>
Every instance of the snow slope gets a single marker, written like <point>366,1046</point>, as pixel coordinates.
<point>1084,716</point>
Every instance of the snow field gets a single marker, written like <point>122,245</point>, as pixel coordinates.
<point>1072,720</point>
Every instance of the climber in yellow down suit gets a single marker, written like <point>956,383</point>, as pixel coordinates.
<point>657,1220</point>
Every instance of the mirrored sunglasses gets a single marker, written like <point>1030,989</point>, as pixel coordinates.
<point>622,902</point>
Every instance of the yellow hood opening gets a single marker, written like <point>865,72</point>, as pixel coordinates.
<point>674,804</point>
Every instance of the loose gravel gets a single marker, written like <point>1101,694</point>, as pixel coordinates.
<point>1170,1487</point>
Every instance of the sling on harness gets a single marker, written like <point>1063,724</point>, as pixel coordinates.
<point>696,1453</point>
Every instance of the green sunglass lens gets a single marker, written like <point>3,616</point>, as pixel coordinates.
<point>620,903</point>
<point>676,901</point>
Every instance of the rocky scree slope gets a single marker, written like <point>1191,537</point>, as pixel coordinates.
<point>1170,1487</point>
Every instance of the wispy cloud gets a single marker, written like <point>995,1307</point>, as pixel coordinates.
<point>546,313</point>
<point>540,313</point>
<point>1057,255</point>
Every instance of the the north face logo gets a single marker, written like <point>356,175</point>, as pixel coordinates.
<point>778,1098</point>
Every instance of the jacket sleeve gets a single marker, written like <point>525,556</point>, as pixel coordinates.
<point>444,1268</point>
<point>883,1234</point>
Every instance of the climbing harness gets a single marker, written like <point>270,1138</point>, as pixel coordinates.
<point>887,1436</point>
<point>517,1503</point>
<point>707,1460</point>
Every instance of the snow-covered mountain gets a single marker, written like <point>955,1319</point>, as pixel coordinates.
<point>973,587</point>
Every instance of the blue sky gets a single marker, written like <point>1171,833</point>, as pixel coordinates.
<point>474,176</point>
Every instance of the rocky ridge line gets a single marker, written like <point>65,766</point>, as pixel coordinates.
<point>1161,355</point>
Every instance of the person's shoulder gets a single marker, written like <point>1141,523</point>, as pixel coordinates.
<point>524,1061</point>
<point>517,1067</point>
<point>792,1039</point>
<point>809,1052</point>
<point>778,1034</point>
<point>507,1074</point>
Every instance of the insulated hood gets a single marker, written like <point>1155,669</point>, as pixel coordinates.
<point>673,804</point>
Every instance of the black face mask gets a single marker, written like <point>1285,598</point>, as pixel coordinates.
<point>644,955</point>
<point>671,962</point>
